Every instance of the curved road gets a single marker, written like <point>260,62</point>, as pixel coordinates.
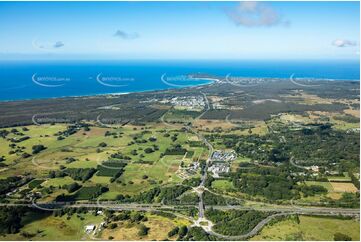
<point>253,232</point>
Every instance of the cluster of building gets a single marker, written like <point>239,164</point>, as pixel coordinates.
<point>189,102</point>
<point>218,168</point>
<point>92,228</point>
<point>224,156</point>
<point>221,161</point>
<point>186,172</point>
<point>193,167</point>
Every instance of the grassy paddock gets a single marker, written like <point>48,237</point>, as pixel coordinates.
<point>54,228</point>
<point>310,228</point>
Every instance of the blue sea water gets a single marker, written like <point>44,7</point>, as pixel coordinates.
<point>21,80</point>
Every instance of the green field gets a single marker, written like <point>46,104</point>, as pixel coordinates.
<point>48,227</point>
<point>222,185</point>
<point>86,193</point>
<point>60,181</point>
<point>344,178</point>
<point>110,168</point>
<point>310,228</point>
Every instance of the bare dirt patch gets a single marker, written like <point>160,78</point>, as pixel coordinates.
<point>353,112</point>
<point>343,187</point>
<point>211,124</point>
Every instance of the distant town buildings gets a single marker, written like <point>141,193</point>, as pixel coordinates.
<point>186,102</point>
<point>189,102</point>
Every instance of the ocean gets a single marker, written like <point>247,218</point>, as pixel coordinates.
<point>23,80</point>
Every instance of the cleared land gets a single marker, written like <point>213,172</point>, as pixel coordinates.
<point>343,187</point>
<point>158,229</point>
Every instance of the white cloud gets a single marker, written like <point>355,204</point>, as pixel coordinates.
<point>47,45</point>
<point>124,35</point>
<point>255,14</point>
<point>58,44</point>
<point>343,43</point>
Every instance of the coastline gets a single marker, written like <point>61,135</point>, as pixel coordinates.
<point>211,80</point>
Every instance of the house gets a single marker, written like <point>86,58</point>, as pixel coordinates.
<point>89,228</point>
<point>314,168</point>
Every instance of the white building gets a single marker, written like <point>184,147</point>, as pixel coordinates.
<point>89,228</point>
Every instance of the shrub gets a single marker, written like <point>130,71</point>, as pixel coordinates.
<point>341,237</point>
<point>143,230</point>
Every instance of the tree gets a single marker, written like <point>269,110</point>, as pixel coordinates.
<point>10,218</point>
<point>148,150</point>
<point>152,139</point>
<point>113,225</point>
<point>38,148</point>
<point>173,232</point>
<point>183,230</point>
<point>73,187</point>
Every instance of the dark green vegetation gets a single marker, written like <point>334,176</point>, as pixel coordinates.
<point>10,219</point>
<point>113,169</point>
<point>78,174</point>
<point>341,237</point>
<point>168,195</point>
<point>235,222</point>
<point>212,199</point>
<point>12,182</point>
<point>322,143</point>
<point>84,193</point>
<point>35,183</point>
<point>271,182</point>
<point>198,234</point>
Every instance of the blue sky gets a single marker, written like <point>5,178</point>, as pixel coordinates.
<point>180,30</point>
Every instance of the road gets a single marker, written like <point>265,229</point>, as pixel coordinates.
<point>292,162</point>
<point>200,189</point>
<point>202,221</point>
<point>158,206</point>
<point>207,105</point>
